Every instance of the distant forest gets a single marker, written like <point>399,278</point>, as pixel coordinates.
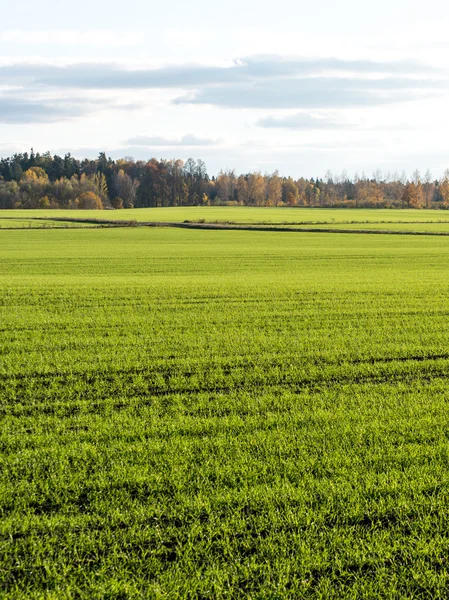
<point>44,181</point>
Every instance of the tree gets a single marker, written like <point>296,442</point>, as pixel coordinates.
<point>242,190</point>
<point>256,189</point>
<point>312,194</point>
<point>99,181</point>
<point>444,191</point>
<point>411,196</point>
<point>154,189</point>
<point>34,174</point>
<point>42,178</point>
<point>222,185</point>
<point>175,182</point>
<point>290,192</point>
<point>125,188</point>
<point>70,166</point>
<point>89,201</point>
<point>34,185</point>
<point>44,202</point>
<point>274,189</point>
<point>428,188</point>
<point>63,193</point>
<point>117,203</point>
<point>9,194</point>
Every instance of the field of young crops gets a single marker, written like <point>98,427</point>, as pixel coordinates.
<point>223,414</point>
<point>38,223</point>
<point>243,214</point>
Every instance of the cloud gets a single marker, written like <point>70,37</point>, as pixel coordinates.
<point>16,110</point>
<point>189,37</point>
<point>186,140</point>
<point>303,121</point>
<point>245,71</point>
<point>97,37</point>
<point>315,92</point>
<point>266,82</point>
<point>112,76</point>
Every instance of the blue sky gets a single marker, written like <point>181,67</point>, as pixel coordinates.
<point>294,86</point>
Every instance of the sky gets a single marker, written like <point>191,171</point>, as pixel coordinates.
<point>298,87</point>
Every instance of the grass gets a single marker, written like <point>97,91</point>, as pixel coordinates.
<point>37,223</point>
<point>417,226</point>
<point>223,414</point>
<point>421,221</point>
<point>245,214</point>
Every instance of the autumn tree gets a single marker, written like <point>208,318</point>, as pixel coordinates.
<point>35,174</point>
<point>290,192</point>
<point>101,186</point>
<point>34,184</point>
<point>242,190</point>
<point>443,190</point>
<point>223,186</point>
<point>63,193</point>
<point>411,196</point>
<point>177,188</point>
<point>9,194</point>
<point>89,201</point>
<point>117,203</point>
<point>124,188</point>
<point>226,185</point>
<point>312,194</point>
<point>428,188</point>
<point>32,180</point>
<point>256,189</point>
<point>274,190</point>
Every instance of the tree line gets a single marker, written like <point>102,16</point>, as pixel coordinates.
<point>33,180</point>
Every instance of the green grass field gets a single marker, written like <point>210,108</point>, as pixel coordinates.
<point>223,414</point>
<point>412,226</point>
<point>33,223</point>
<point>244,214</point>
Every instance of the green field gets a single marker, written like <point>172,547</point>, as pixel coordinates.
<point>245,214</point>
<point>33,223</point>
<point>413,226</point>
<point>432,221</point>
<point>224,414</point>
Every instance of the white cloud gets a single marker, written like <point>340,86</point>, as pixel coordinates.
<point>190,38</point>
<point>155,140</point>
<point>96,37</point>
<point>304,121</point>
